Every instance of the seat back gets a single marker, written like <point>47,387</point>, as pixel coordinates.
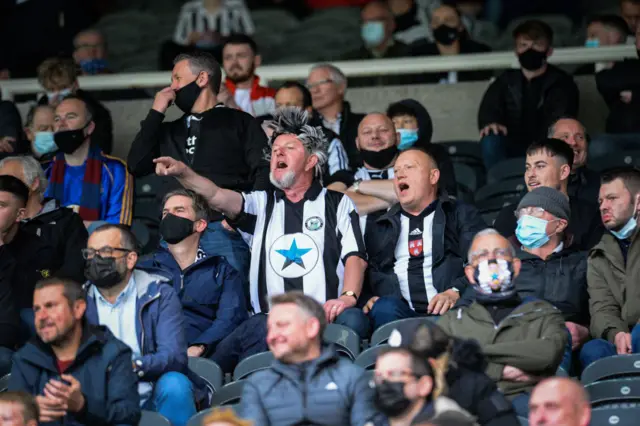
<point>523,421</point>
<point>151,418</point>
<point>229,394</point>
<point>466,181</point>
<point>613,367</point>
<point>381,335</point>
<point>615,391</point>
<point>209,371</point>
<point>615,415</point>
<point>507,170</point>
<point>346,340</point>
<point>617,159</point>
<point>367,359</point>
<point>507,190</point>
<point>250,365</point>
<point>4,382</point>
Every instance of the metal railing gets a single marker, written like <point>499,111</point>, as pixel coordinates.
<point>409,65</point>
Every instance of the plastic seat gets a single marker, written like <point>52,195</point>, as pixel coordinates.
<point>615,160</point>
<point>506,190</point>
<point>381,335</point>
<point>506,170</point>
<point>4,382</point>
<point>616,391</point>
<point>523,421</point>
<point>150,418</point>
<point>229,394</point>
<point>209,371</point>
<point>618,415</point>
<point>613,367</point>
<point>367,359</point>
<point>346,340</point>
<point>250,365</point>
<point>465,176</point>
<point>463,151</point>
<point>561,372</point>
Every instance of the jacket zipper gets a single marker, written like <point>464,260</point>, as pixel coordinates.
<point>157,296</point>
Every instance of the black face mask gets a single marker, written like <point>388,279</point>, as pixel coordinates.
<point>187,96</point>
<point>446,35</point>
<point>390,398</point>
<point>69,141</point>
<point>408,19</point>
<point>379,159</point>
<point>103,272</point>
<point>174,228</point>
<point>532,60</point>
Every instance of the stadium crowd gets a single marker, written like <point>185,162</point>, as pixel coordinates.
<point>314,265</point>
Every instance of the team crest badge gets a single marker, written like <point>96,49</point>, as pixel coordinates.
<point>313,223</point>
<point>415,248</point>
<point>45,273</point>
<point>293,255</point>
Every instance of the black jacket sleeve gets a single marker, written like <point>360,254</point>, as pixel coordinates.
<point>10,123</point>
<point>623,76</point>
<point>146,145</point>
<point>505,223</point>
<point>9,326</point>
<point>562,101</point>
<point>103,133</point>
<point>76,237</point>
<point>492,107</point>
<point>445,165</point>
<point>255,145</point>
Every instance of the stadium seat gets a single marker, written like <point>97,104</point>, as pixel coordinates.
<point>367,359</point>
<point>381,335</point>
<point>618,391</point>
<point>561,372</point>
<point>618,415</point>
<point>346,340</point>
<point>468,153</point>
<point>229,394</point>
<point>4,382</point>
<point>250,365</point>
<point>209,371</point>
<point>523,421</point>
<point>151,418</point>
<point>615,160</point>
<point>466,181</point>
<point>510,189</point>
<point>199,417</point>
<point>613,367</point>
<point>506,170</point>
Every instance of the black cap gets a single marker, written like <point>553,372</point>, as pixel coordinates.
<point>421,336</point>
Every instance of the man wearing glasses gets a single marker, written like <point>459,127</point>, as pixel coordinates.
<point>522,338</point>
<point>143,313</point>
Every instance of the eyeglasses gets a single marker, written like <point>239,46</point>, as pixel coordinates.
<point>482,255</point>
<point>318,83</point>
<point>529,211</point>
<point>394,375</point>
<point>106,251</point>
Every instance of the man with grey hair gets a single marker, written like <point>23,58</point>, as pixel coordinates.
<point>328,86</point>
<point>58,227</point>
<point>303,237</point>
<point>222,144</point>
<point>523,339</point>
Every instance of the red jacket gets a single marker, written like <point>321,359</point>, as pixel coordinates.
<point>262,98</point>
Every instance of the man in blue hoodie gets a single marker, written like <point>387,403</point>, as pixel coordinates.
<point>210,290</point>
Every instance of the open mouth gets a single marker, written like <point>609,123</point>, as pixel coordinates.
<point>533,183</point>
<point>281,165</point>
<point>403,187</point>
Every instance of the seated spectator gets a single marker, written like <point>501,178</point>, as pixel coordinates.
<point>12,139</point>
<point>18,409</point>
<point>95,185</point>
<point>328,85</point>
<point>241,89</point>
<point>620,89</point>
<point>146,315</point>
<point>413,123</point>
<point>584,183</point>
<point>428,233</point>
<point>412,19</point>
<point>522,338</point>
<point>451,38</point>
<point>603,30</point>
<point>378,43</point>
<point>630,11</point>
<point>60,79</point>
<point>90,52</point>
<point>520,105</point>
<point>279,395</point>
<point>559,400</point>
<point>612,273</point>
<point>38,129</point>
<point>210,290</point>
<point>56,226</point>
<point>548,164</point>
<point>79,374</point>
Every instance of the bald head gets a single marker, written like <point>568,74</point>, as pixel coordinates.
<point>559,401</point>
<point>376,132</point>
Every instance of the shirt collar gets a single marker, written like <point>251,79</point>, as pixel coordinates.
<point>122,297</point>
<point>312,193</point>
<point>559,248</point>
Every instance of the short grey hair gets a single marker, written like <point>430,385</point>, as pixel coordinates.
<point>335,73</point>
<point>295,121</point>
<point>552,128</point>
<point>31,169</point>
<point>484,232</point>
<point>202,61</point>
<point>198,202</point>
<point>32,113</point>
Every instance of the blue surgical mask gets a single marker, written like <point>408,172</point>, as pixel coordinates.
<point>627,229</point>
<point>372,33</point>
<point>93,66</point>
<point>532,232</point>
<point>592,42</point>
<point>408,138</point>
<point>44,143</point>
<point>59,95</point>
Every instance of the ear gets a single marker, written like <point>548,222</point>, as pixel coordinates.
<point>469,271</point>
<point>549,51</point>
<point>358,143</point>
<point>313,327</point>
<point>30,135</point>
<point>90,128</point>
<point>342,88</point>
<point>22,213</point>
<point>257,61</point>
<point>425,386</point>
<point>75,86</point>
<point>311,162</point>
<point>79,308</point>
<point>200,226</point>
<point>132,259</point>
<point>35,184</point>
<point>202,80</point>
<point>562,225</point>
<point>517,264</point>
<point>565,171</point>
<point>434,177</point>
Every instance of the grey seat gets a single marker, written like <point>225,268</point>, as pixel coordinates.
<point>618,415</point>
<point>4,382</point>
<point>209,371</point>
<point>346,340</point>
<point>381,335</point>
<point>615,160</point>
<point>367,359</point>
<point>150,418</point>
<point>613,367</point>
<point>506,170</point>
<point>229,394</point>
<point>506,191</point>
<point>617,391</point>
<point>250,365</point>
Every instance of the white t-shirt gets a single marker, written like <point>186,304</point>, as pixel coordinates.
<point>243,99</point>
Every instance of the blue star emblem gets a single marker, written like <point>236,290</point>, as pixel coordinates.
<point>293,255</point>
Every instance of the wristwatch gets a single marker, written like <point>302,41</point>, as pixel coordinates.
<point>349,293</point>
<point>356,186</point>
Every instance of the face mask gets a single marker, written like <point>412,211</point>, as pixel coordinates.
<point>592,42</point>
<point>93,66</point>
<point>44,143</point>
<point>532,232</point>
<point>52,96</point>
<point>372,33</point>
<point>446,35</point>
<point>103,272</point>
<point>187,96</point>
<point>532,60</point>
<point>379,159</point>
<point>626,231</point>
<point>494,279</point>
<point>408,138</point>
<point>390,398</point>
<point>174,228</point>
<point>69,140</point>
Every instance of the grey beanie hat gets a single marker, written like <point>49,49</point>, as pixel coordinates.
<point>551,200</point>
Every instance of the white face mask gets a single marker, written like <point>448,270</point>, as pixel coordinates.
<point>59,95</point>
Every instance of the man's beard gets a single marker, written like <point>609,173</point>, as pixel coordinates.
<point>62,337</point>
<point>285,182</point>
<point>243,77</point>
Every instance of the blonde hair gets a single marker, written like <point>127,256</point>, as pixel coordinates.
<point>57,73</point>
<point>225,415</point>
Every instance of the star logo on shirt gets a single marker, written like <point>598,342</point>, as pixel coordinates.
<point>293,255</point>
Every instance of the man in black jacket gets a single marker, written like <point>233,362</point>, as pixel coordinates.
<point>59,227</point>
<point>416,249</point>
<point>520,105</point>
<point>222,144</point>
<point>9,325</point>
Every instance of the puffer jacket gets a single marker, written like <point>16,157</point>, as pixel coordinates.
<point>326,391</point>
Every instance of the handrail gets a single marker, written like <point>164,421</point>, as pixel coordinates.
<point>409,65</point>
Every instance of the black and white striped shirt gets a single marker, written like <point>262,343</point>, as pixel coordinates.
<point>369,174</point>
<point>299,246</point>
